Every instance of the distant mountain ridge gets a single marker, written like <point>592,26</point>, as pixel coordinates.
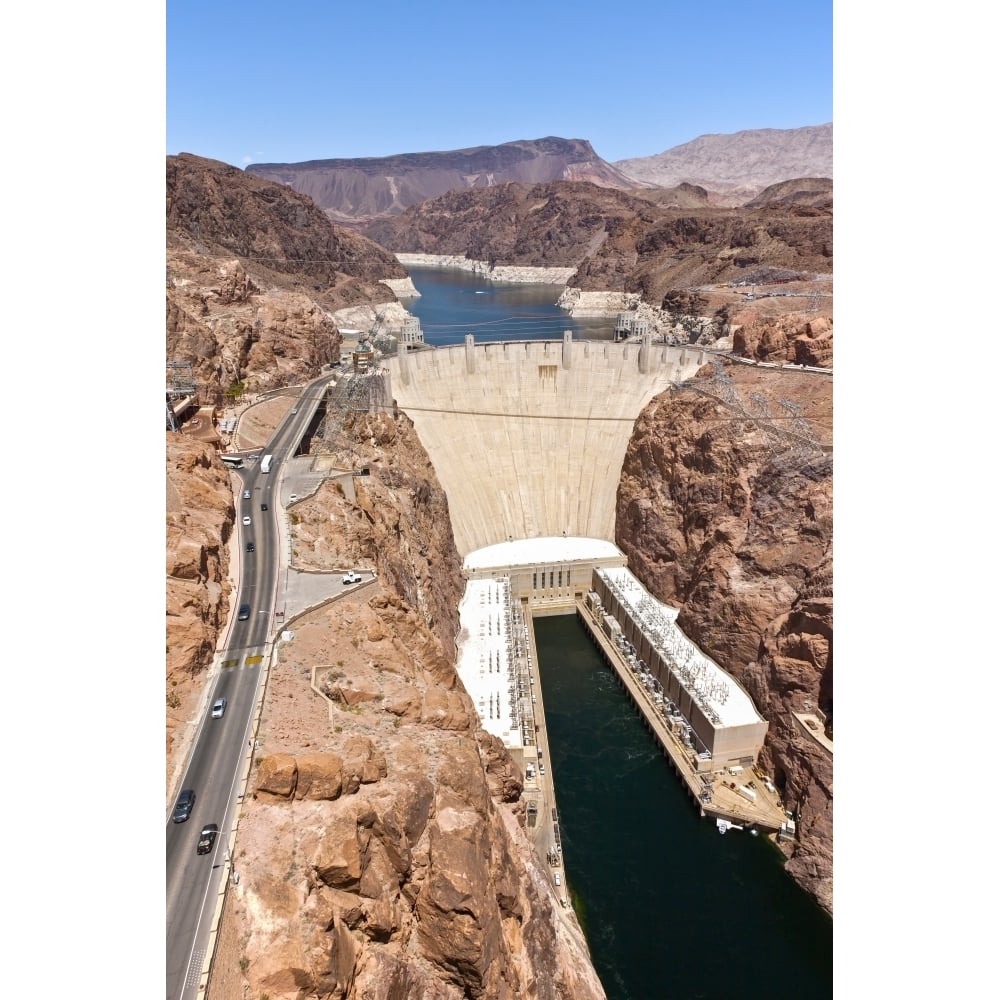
<point>359,190</point>
<point>739,166</point>
<point>730,170</point>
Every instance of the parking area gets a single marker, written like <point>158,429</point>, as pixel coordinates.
<point>303,591</point>
<point>300,479</point>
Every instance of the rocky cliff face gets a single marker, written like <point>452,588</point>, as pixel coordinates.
<point>360,190</point>
<point>793,339</point>
<point>200,518</point>
<point>254,272</point>
<point>383,853</point>
<point>725,511</point>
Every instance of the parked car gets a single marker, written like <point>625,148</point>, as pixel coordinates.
<point>206,839</point>
<point>219,708</point>
<point>185,803</point>
<point>352,577</point>
<point>293,498</point>
<point>244,612</point>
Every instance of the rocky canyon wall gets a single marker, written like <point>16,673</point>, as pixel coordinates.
<point>382,853</point>
<point>727,514</point>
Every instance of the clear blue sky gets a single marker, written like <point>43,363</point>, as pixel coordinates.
<point>254,82</point>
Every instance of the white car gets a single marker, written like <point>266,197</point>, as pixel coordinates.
<point>352,577</point>
<point>246,518</point>
<point>293,498</point>
<point>246,494</point>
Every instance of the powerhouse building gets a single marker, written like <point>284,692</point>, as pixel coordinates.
<point>725,728</point>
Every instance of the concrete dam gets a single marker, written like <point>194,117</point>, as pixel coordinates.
<point>528,438</point>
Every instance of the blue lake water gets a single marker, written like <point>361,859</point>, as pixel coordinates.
<point>453,303</point>
<point>672,910</point>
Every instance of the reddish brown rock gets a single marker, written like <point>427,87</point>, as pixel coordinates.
<point>320,776</point>
<point>723,517</point>
<point>447,709</point>
<point>505,779</point>
<point>792,339</point>
<point>277,775</point>
<point>361,759</point>
<point>337,858</point>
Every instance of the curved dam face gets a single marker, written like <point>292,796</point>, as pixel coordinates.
<point>528,438</point>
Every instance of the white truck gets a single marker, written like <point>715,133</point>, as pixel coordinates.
<point>265,463</point>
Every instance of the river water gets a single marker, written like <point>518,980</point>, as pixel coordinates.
<point>672,910</point>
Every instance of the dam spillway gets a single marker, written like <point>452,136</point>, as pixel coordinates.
<point>528,438</point>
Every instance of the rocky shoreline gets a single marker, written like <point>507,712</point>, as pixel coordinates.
<point>577,302</point>
<point>516,274</point>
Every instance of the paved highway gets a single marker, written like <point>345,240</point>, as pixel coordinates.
<point>222,746</point>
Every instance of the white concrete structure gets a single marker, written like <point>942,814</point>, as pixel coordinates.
<point>493,661</point>
<point>720,712</point>
<point>528,438</point>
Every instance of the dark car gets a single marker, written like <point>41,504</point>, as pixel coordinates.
<point>206,841</point>
<point>244,612</point>
<point>263,506</point>
<point>249,546</point>
<point>185,803</point>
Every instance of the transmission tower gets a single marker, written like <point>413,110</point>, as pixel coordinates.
<point>180,383</point>
<point>722,384</point>
<point>804,443</point>
<point>761,416</point>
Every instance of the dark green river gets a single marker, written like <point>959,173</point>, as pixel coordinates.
<point>672,909</point>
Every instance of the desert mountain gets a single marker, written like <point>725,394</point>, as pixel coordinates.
<point>253,271</point>
<point>796,195</point>
<point>363,189</point>
<point>739,166</point>
<point>617,240</point>
<point>272,227</point>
